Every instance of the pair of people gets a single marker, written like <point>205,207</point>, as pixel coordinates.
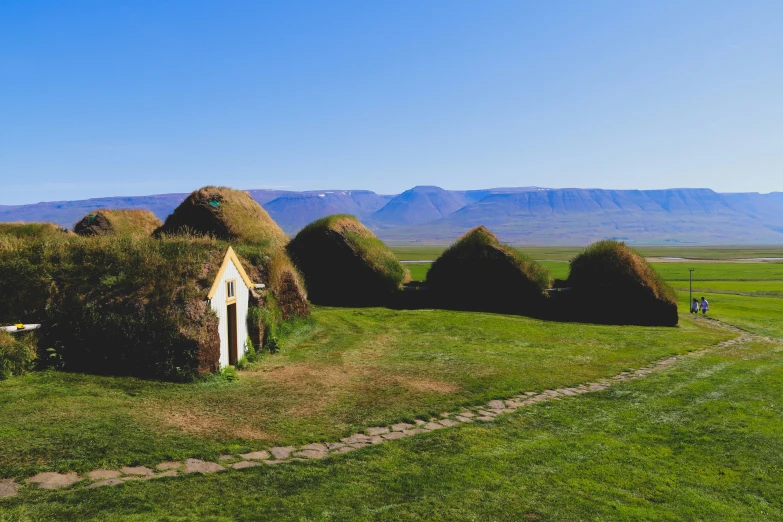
<point>704,305</point>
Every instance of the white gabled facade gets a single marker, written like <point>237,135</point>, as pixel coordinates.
<point>219,300</point>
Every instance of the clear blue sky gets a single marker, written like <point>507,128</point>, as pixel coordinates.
<point>112,98</point>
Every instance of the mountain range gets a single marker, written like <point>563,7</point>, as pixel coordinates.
<point>522,215</point>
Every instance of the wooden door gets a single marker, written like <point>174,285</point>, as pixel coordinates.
<point>231,317</point>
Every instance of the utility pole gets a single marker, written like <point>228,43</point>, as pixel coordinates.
<point>690,301</point>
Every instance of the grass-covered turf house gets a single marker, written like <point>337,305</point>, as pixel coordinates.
<point>120,222</point>
<point>343,263</point>
<point>234,216</point>
<point>612,283</point>
<point>480,273</point>
<point>173,308</point>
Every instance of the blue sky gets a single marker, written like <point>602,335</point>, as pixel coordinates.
<point>129,98</point>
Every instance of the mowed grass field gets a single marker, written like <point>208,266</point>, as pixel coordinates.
<point>699,441</point>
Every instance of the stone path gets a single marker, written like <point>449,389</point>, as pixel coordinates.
<point>372,435</point>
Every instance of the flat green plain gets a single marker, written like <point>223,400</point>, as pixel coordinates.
<point>698,441</point>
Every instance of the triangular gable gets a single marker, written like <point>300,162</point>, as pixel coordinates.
<point>230,256</point>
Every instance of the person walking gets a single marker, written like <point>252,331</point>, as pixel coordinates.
<point>704,306</point>
<point>695,306</point>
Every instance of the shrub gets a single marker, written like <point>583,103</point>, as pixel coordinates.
<point>344,263</point>
<point>612,283</point>
<point>478,272</point>
<point>17,353</point>
<point>123,222</point>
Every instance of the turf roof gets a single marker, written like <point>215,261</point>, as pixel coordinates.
<point>342,260</point>
<point>225,213</point>
<point>479,272</point>
<point>120,222</point>
<point>611,282</point>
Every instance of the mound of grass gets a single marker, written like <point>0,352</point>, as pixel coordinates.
<point>480,273</point>
<point>612,283</point>
<point>344,263</point>
<point>225,213</point>
<point>122,222</point>
<point>33,230</point>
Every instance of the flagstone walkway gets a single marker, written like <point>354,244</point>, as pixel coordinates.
<point>372,435</point>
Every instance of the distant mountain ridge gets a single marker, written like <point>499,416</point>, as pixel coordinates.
<point>521,215</point>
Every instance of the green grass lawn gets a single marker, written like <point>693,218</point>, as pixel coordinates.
<point>699,441</point>
<point>345,370</point>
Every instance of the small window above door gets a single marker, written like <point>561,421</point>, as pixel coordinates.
<point>231,288</point>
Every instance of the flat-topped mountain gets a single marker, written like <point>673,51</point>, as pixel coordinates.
<point>530,215</point>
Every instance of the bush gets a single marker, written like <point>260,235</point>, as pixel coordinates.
<point>479,273</point>
<point>612,283</point>
<point>17,353</point>
<point>344,263</point>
